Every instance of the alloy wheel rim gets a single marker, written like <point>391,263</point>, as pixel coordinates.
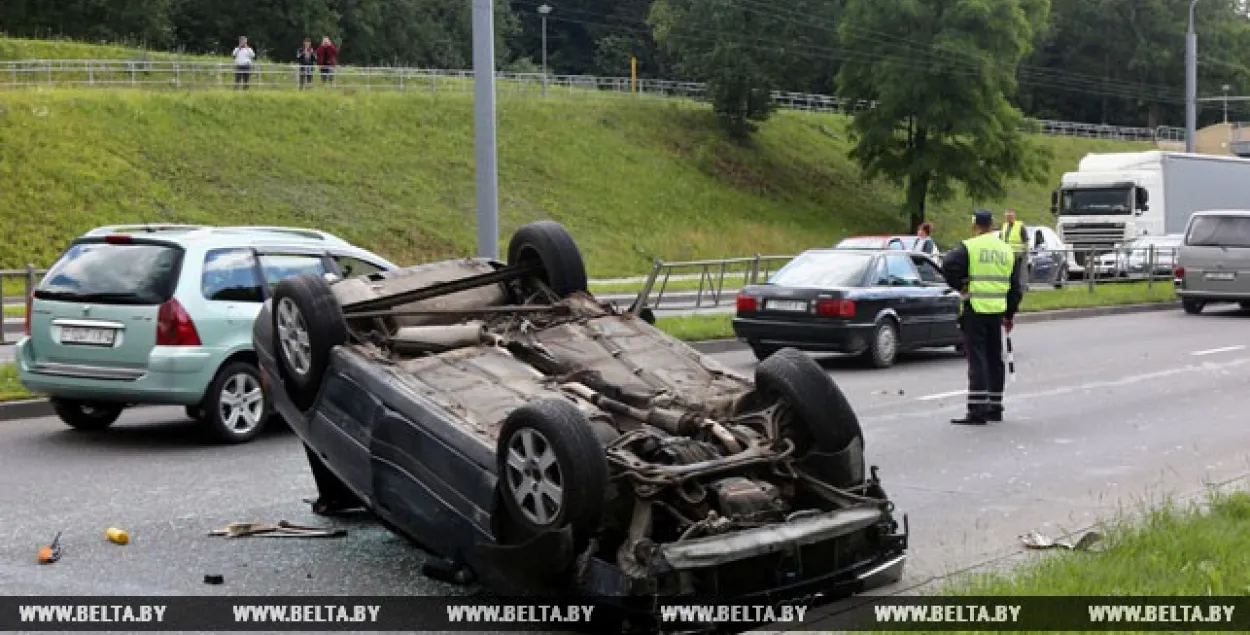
<point>241,403</point>
<point>535,479</point>
<point>293,337</point>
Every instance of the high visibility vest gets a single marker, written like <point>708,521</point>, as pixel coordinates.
<point>990,261</point>
<point>1011,234</point>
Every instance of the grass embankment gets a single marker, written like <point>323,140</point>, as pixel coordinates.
<point>635,180</point>
<point>1175,550</point>
<point>720,326</point>
<point>10,389</point>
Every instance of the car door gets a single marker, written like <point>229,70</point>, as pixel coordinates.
<point>914,304</point>
<point>942,310</point>
<point>231,288</point>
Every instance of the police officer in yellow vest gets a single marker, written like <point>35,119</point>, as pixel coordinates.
<point>1015,235</point>
<point>983,268</point>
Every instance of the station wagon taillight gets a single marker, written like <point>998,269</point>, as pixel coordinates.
<point>174,326</point>
<point>834,307</point>
<point>119,239</point>
<point>747,303</point>
<point>1178,273</point>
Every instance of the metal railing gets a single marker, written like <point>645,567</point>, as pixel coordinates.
<point>12,305</point>
<point>714,284</point>
<point>183,75</point>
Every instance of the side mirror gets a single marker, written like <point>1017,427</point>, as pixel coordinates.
<point>1142,199</point>
<point>1054,203</point>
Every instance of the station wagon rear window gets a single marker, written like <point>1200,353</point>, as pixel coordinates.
<point>1219,231</point>
<point>107,273</point>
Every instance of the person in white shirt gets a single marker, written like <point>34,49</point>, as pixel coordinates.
<point>243,57</point>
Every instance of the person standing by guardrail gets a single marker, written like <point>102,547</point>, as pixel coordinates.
<point>983,268</point>
<point>1015,235</point>
<point>243,58</point>
<point>307,58</point>
<point>327,57</point>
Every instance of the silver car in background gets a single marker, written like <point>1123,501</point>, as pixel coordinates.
<point>1140,257</point>
<point>1213,262</point>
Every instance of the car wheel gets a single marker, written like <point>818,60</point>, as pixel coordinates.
<point>82,415</point>
<point>1193,307</point>
<point>883,349</point>
<point>550,245</point>
<point>307,324</point>
<point>821,415</point>
<point>551,469</point>
<point>763,352</point>
<point>236,409</point>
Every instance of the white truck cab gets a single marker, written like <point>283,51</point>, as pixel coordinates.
<point>1115,197</point>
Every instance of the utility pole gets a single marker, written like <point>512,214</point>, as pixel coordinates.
<point>1226,89</point>
<point>487,167</point>
<point>543,11</point>
<point>1191,82</point>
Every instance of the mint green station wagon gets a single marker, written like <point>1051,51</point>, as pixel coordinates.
<point>162,314</point>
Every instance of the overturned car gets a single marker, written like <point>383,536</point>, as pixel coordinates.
<point>535,439</point>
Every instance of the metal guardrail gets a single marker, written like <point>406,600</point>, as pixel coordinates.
<point>274,76</point>
<point>26,280</point>
<point>711,284</point>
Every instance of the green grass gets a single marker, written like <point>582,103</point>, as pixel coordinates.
<point>720,325</point>
<point>14,311</point>
<point>10,389</point>
<point>634,180</point>
<point>1175,550</point>
<point>24,49</point>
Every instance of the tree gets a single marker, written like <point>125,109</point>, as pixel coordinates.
<point>941,73</point>
<point>738,49</point>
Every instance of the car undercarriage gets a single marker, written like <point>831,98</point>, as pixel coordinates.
<point>614,459</point>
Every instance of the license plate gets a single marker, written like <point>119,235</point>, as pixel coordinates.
<point>87,336</point>
<point>786,305</point>
<point>1224,275</point>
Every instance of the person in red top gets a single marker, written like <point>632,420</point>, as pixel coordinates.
<point>327,56</point>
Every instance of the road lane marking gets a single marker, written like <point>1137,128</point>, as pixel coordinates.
<point>1212,351</point>
<point>942,395</point>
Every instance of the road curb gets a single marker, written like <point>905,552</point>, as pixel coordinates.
<point>25,409</point>
<point>34,408</point>
<point>713,347</point>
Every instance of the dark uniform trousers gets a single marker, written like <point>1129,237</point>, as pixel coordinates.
<point>987,373</point>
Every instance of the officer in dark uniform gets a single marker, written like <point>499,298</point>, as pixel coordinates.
<point>983,268</point>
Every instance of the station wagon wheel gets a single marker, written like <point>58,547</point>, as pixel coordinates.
<point>1193,307</point>
<point>307,324</point>
<point>236,409</point>
<point>552,470</point>
<point>82,415</point>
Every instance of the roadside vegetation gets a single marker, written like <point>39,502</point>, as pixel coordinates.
<point>635,180</point>
<point>1172,550</point>
<point>10,388</point>
<point>720,325</point>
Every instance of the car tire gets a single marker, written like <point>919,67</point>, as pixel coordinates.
<point>763,352</point>
<point>86,416</point>
<point>883,349</point>
<point>1193,307</point>
<point>556,432</point>
<point>307,324</point>
<point>550,245</point>
<point>822,416</point>
<point>236,408</point>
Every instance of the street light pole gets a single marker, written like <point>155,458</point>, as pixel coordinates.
<point>543,11</point>
<point>1191,81</point>
<point>1226,89</point>
<point>487,167</point>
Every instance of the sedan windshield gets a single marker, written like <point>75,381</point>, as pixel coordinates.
<point>823,269</point>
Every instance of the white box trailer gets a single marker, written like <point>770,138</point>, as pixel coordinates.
<point>1115,197</point>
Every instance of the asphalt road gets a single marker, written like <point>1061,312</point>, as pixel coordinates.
<point>1106,411</point>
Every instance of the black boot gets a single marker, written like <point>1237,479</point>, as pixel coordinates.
<point>970,419</point>
<point>995,413</point>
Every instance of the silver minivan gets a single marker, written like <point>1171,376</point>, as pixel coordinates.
<point>1213,263</point>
